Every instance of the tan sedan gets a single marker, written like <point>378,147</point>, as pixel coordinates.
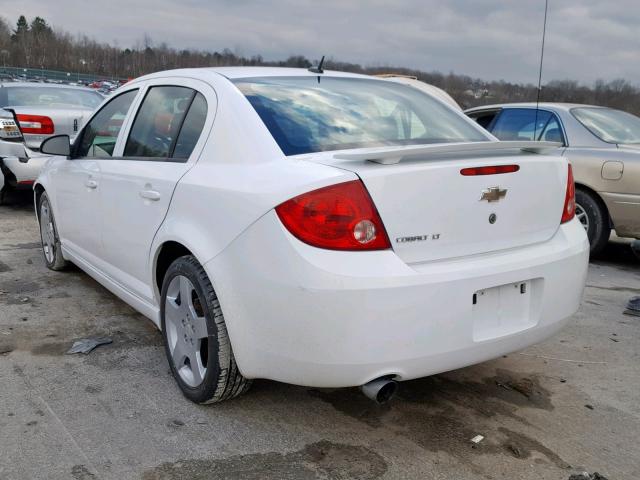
<point>602,144</point>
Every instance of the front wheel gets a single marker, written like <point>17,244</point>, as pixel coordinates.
<point>49,235</point>
<point>195,335</point>
<point>594,218</point>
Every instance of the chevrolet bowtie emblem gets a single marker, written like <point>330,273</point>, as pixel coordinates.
<point>493,194</point>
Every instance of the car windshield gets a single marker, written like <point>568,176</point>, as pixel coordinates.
<point>315,113</point>
<point>48,97</point>
<point>613,126</point>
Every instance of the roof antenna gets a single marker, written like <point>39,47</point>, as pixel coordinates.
<point>317,68</point>
<point>544,33</point>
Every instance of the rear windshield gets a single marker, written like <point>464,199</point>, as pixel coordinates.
<point>314,114</point>
<point>48,97</point>
<point>613,126</point>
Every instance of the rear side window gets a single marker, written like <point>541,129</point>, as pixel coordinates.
<point>100,134</point>
<point>525,124</point>
<point>191,128</point>
<point>158,131</point>
<point>484,119</point>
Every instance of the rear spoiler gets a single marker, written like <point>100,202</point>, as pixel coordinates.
<point>393,155</point>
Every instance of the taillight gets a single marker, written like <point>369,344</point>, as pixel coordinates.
<point>491,170</point>
<point>570,199</point>
<point>337,217</point>
<point>38,124</point>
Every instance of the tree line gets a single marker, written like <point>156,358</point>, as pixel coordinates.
<point>35,44</point>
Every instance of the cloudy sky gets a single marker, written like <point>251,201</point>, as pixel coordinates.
<point>490,39</point>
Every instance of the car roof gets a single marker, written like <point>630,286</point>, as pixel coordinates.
<point>47,85</point>
<point>233,73</point>
<point>546,105</point>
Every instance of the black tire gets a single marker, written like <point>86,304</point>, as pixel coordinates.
<point>55,261</point>
<point>599,228</point>
<point>222,380</point>
<point>5,187</point>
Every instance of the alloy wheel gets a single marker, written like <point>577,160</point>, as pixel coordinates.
<point>582,216</point>
<point>47,231</point>
<point>187,334</point>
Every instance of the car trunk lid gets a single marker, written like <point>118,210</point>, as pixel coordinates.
<point>66,120</point>
<point>433,212</point>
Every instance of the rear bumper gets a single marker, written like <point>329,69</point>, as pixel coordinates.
<point>25,173</point>
<point>624,210</point>
<point>321,318</point>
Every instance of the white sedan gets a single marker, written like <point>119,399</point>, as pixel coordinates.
<point>317,228</point>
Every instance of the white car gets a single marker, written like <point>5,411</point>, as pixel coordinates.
<point>321,229</point>
<point>432,90</point>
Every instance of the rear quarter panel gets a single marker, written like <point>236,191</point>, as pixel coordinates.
<point>587,167</point>
<point>621,196</point>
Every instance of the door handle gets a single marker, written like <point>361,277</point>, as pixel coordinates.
<point>91,184</point>
<point>150,195</point>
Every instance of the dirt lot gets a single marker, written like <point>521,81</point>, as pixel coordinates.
<point>569,405</point>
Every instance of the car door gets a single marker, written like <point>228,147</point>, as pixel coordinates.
<point>162,143</point>
<point>77,182</point>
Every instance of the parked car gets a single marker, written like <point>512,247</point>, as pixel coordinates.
<point>44,110</point>
<point>426,87</point>
<point>322,229</point>
<point>19,166</point>
<point>602,144</point>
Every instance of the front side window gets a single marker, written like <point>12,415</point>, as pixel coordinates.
<point>313,114</point>
<point>157,126</point>
<point>612,126</point>
<point>101,133</point>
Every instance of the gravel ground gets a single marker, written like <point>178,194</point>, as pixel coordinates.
<point>569,405</point>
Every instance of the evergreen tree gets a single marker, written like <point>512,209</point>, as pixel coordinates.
<point>22,28</point>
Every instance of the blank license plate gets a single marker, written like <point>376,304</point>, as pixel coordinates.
<point>503,310</point>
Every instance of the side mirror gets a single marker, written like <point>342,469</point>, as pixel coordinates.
<point>57,145</point>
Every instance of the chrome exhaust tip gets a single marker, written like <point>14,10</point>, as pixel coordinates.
<point>380,390</point>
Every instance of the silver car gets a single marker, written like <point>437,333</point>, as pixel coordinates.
<point>45,109</point>
<point>19,165</point>
<point>602,144</point>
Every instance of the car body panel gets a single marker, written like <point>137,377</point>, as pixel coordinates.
<point>19,164</point>
<point>625,210</point>
<point>26,170</point>
<point>588,156</point>
<point>357,314</point>
<point>80,227</point>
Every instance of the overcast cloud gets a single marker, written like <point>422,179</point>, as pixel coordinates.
<point>490,39</point>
